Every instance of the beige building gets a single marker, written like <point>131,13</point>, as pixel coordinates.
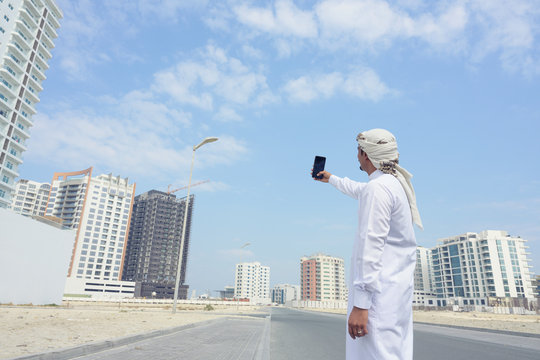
<point>30,197</point>
<point>99,208</point>
<point>322,278</point>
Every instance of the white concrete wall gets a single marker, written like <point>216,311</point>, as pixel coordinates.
<point>34,260</point>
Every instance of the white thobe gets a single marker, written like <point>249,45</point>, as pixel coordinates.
<point>382,268</point>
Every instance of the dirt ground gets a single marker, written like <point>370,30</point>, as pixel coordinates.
<point>32,329</point>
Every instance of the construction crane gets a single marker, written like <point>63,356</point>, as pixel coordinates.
<point>169,191</point>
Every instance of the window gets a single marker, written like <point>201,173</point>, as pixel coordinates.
<point>2,193</point>
<point>5,179</point>
<point>6,18</point>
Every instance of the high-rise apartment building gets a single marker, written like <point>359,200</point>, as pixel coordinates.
<point>422,272</point>
<point>474,266</point>
<point>30,197</point>
<point>322,278</point>
<point>154,241</point>
<point>283,293</point>
<point>252,281</point>
<point>27,34</point>
<point>99,208</point>
<point>423,294</point>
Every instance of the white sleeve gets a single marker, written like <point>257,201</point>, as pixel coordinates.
<point>347,186</point>
<point>374,225</point>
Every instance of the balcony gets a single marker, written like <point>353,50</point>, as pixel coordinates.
<point>14,157</point>
<point>40,62</point>
<point>18,52</point>
<point>35,83</point>
<point>27,15</point>
<point>28,108</point>
<point>46,53</point>
<point>7,88</point>
<point>32,8</point>
<point>31,95</point>
<point>53,15</point>
<point>27,34</point>
<point>50,29</point>
<point>11,171</point>
<point>21,132</point>
<point>38,73</point>
<point>47,40</point>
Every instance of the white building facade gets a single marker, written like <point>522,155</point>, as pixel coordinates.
<point>27,33</point>
<point>99,208</point>
<point>423,294</point>
<point>474,266</point>
<point>252,281</point>
<point>30,197</point>
<point>284,293</point>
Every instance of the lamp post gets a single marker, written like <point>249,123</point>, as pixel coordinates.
<point>181,252</point>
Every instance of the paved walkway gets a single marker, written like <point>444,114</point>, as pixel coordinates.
<point>224,340</point>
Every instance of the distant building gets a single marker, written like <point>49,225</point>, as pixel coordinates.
<point>227,293</point>
<point>252,281</point>
<point>536,285</point>
<point>99,209</point>
<point>423,295</point>
<point>154,241</point>
<point>27,34</point>
<point>284,293</point>
<point>322,278</point>
<point>30,197</point>
<point>474,266</point>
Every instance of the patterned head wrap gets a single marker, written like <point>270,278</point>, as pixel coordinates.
<point>381,148</point>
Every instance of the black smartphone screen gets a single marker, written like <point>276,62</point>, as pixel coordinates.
<point>318,166</point>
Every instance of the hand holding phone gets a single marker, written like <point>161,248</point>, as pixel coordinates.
<point>318,166</point>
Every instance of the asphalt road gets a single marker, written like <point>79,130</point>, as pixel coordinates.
<point>308,335</point>
<point>298,334</point>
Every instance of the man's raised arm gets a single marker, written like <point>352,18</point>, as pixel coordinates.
<point>345,185</point>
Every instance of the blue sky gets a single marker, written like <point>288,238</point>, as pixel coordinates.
<point>133,85</point>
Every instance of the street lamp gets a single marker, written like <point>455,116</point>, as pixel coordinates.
<point>181,252</point>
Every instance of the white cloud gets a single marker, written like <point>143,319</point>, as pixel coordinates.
<point>361,83</point>
<point>252,52</point>
<point>226,114</point>
<point>472,29</point>
<point>377,23</point>
<point>284,19</point>
<point>509,29</point>
<point>139,137</point>
<point>212,77</point>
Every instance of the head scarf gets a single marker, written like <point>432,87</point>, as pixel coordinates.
<point>381,148</point>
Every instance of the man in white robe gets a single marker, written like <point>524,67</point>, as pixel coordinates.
<point>384,254</point>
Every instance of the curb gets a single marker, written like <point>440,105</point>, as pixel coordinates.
<point>263,349</point>
<point>505,332</point>
<point>94,347</point>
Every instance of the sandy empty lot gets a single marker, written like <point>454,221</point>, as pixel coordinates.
<point>27,330</point>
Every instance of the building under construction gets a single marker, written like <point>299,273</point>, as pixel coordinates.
<point>153,246</point>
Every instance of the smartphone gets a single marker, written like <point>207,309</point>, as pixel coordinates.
<point>318,166</point>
